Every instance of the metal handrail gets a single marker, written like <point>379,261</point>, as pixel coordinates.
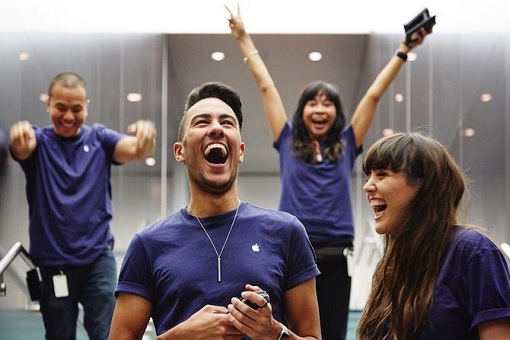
<point>16,249</point>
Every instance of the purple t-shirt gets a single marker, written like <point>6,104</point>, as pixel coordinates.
<point>472,287</point>
<point>319,194</point>
<point>69,195</point>
<point>173,265</point>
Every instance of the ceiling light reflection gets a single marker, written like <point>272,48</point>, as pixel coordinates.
<point>151,161</point>
<point>134,97</point>
<point>387,132</point>
<point>24,56</point>
<point>217,56</point>
<point>469,132</point>
<point>315,56</point>
<point>485,97</point>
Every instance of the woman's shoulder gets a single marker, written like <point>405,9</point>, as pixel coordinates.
<point>470,238</point>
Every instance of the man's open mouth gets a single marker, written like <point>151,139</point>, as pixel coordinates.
<point>216,153</point>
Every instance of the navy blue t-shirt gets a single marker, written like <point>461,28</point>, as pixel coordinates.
<point>69,195</point>
<point>472,287</point>
<point>319,194</point>
<point>173,265</point>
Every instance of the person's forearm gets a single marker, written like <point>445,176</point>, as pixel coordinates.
<point>246,45</point>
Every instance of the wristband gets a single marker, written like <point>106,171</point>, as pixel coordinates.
<point>402,55</point>
<point>252,53</point>
<point>284,333</point>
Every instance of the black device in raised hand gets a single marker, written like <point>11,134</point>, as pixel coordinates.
<point>253,305</point>
<point>423,19</point>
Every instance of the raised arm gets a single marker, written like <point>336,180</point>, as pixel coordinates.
<point>273,105</point>
<point>365,111</point>
<point>139,145</point>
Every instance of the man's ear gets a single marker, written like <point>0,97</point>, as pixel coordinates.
<point>178,153</point>
<point>241,153</point>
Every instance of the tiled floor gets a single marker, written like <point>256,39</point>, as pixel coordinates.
<point>352,324</point>
<point>26,325</point>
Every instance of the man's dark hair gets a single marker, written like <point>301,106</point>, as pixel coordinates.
<point>66,79</point>
<point>218,90</point>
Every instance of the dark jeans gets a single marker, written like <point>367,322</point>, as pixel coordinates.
<point>90,285</point>
<point>333,293</point>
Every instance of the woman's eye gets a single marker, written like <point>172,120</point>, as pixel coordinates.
<point>381,173</point>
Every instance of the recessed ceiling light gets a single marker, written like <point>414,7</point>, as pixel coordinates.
<point>24,56</point>
<point>469,132</point>
<point>43,97</point>
<point>315,56</point>
<point>151,161</point>
<point>387,132</point>
<point>399,98</point>
<point>134,97</point>
<point>486,97</point>
<point>217,56</point>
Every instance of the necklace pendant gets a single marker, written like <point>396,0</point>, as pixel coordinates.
<point>219,269</point>
<point>218,254</point>
<point>318,154</point>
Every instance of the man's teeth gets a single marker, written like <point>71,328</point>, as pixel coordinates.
<point>215,146</point>
<point>216,153</point>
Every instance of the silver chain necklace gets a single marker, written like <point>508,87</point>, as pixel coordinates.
<point>218,255</point>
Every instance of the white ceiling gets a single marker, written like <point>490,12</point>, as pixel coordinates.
<point>260,16</point>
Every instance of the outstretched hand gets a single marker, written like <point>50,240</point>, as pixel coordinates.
<point>236,23</point>
<point>145,133</point>
<point>22,139</point>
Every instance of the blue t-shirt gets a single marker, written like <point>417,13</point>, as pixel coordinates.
<point>173,265</point>
<point>69,195</point>
<point>319,194</point>
<point>472,287</point>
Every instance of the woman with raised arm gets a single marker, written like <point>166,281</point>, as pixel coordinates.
<point>317,153</point>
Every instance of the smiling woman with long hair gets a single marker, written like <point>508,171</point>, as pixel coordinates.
<point>438,278</point>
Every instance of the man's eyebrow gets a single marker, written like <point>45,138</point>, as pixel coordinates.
<point>209,115</point>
